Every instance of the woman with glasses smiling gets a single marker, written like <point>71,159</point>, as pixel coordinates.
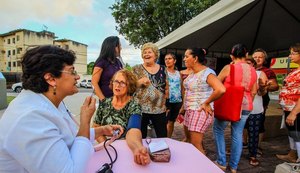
<point>122,109</point>
<point>37,133</point>
<point>289,99</point>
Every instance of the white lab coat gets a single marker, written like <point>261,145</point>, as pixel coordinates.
<point>37,137</point>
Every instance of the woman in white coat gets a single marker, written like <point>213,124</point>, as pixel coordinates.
<point>37,132</point>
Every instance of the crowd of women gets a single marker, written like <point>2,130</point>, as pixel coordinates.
<point>150,93</point>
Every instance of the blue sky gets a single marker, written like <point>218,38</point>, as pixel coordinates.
<point>85,21</point>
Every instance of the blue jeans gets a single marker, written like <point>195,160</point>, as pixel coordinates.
<point>236,140</point>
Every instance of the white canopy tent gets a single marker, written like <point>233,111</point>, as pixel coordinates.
<point>269,24</point>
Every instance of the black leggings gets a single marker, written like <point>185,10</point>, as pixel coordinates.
<point>159,122</point>
<point>173,111</point>
<point>253,125</point>
<point>293,131</point>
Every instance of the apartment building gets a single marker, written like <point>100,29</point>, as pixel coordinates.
<point>80,51</point>
<point>14,44</point>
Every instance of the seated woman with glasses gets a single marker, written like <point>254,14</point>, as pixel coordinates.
<point>37,133</point>
<point>122,109</point>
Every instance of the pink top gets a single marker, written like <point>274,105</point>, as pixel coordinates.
<point>244,75</point>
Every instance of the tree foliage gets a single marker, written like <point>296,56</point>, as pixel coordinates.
<point>150,20</point>
<point>90,67</point>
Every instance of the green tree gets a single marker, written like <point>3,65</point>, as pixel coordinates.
<point>90,67</point>
<point>150,20</point>
<point>128,67</point>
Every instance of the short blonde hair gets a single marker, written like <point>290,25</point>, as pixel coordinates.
<point>130,78</point>
<point>151,46</point>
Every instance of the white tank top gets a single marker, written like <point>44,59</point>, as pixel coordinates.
<point>258,101</point>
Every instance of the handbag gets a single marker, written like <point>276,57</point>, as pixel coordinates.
<point>229,106</point>
<point>159,151</point>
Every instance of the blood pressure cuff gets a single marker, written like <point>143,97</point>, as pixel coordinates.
<point>134,122</point>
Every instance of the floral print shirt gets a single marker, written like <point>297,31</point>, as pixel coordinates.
<point>197,89</point>
<point>152,98</point>
<point>174,87</point>
<point>107,114</point>
<point>290,92</point>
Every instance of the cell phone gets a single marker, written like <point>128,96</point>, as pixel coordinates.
<point>180,118</point>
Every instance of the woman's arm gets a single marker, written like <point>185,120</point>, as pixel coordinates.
<point>218,90</point>
<point>224,73</point>
<point>99,138</point>
<point>95,80</point>
<point>87,110</point>
<point>134,142</point>
<point>262,84</point>
<point>143,82</point>
<point>290,119</point>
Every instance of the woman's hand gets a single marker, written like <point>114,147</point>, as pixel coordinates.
<point>181,111</point>
<point>144,81</point>
<point>291,119</point>
<point>207,108</point>
<point>141,156</point>
<point>87,110</point>
<point>108,130</point>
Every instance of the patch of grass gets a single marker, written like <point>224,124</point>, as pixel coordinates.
<point>10,98</point>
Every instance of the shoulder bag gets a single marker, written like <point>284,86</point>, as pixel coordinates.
<point>228,107</point>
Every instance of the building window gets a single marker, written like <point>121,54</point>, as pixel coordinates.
<point>18,63</point>
<point>9,64</point>
<point>8,41</point>
<point>14,40</point>
<point>8,53</point>
<point>18,38</point>
<point>14,52</point>
<point>19,50</point>
<point>14,64</point>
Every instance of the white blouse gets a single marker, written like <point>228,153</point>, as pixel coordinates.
<point>37,137</point>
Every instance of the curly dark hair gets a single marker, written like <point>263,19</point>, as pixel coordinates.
<point>40,60</point>
<point>131,80</point>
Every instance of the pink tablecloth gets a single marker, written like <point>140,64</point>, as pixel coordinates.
<point>184,158</point>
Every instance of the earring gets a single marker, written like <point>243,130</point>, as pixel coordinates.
<point>54,90</point>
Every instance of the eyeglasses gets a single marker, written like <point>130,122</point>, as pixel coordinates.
<point>73,72</point>
<point>294,53</point>
<point>120,83</point>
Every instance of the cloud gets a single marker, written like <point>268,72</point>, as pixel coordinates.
<point>50,11</point>
<point>85,21</point>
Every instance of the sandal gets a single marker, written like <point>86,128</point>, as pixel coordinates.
<point>223,168</point>
<point>232,170</point>
<point>253,161</point>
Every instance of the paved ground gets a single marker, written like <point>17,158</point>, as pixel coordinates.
<point>271,146</point>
